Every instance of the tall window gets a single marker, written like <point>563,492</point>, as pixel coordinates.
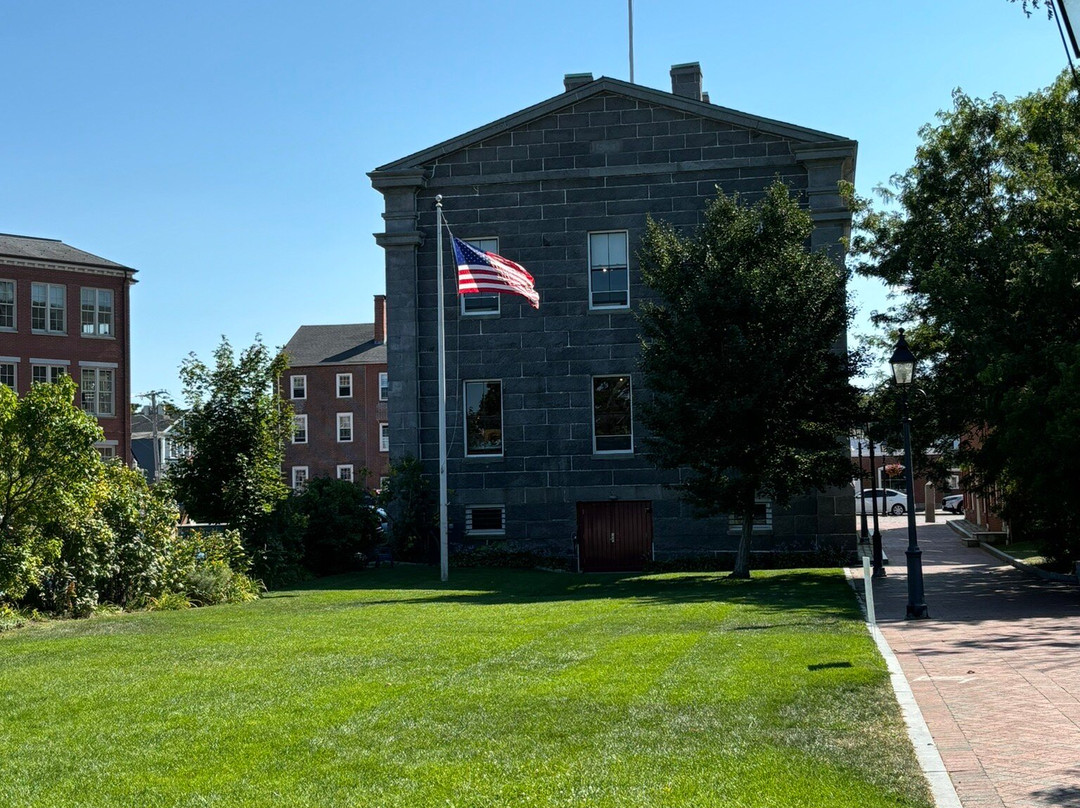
<point>7,374</point>
<point>384,386</point>
<point>47,374</point>
<point>483,418</point>
<point>612,414</point>
<point>299,434</point>
<point>7,304</point>
<point>299,386</point>
<point>609,274</point>
<point>344,427</point>
<point>97,312</point>
<point>96,385</point>
<point>344,385</point>
<point>384,438</point>
<point>299,476</point>
<point>48,308</point>
<point>345,473</point>
<point>481,304</point>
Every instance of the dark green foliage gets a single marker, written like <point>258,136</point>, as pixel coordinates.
<point>235,433</point>
<point>750,393</point>
<point>342,525</point>
<point>412,502</point>
<point>277,550</point>
<point>506,555</point>
<point>986,243</point>
<point>49,472</point>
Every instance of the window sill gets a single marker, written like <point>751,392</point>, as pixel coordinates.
<point>98,336</point>
<point>614,454</point>
<point>608,309</point>
<point>40,333</point>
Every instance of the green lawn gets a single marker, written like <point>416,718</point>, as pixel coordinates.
<point>502,688</point>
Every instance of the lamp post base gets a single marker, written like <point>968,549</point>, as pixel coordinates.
<point>916,611</point>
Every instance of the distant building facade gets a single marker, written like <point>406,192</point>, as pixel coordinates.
<point>545,438</point>
<point>337,384</point>
<point>67,312</point>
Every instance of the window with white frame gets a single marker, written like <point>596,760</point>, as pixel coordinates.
<point>299,434</point>
<point>298,386</point>
<point>762,518</point>
<point>483,418</point>
<point>7,305</point>
<point>384,386</point>
<point>344,385</point>
<point>344,427</point>
<point>47,374</point>
<point>106,450</point>
<point>96,312</point>
<point>613,414</point>
<point>474,304</point>
<point>384,437</point>
<point>609,273</point>
<point>48,308</point>
<point>97,386</point>
<point>485,520</point>
<point>299,476</point>
<point>7,374</point>
<point>383,482</point>
<point>345,473</point>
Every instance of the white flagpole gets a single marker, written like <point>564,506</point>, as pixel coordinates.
<point>630,14</point>
<point>444,547</point>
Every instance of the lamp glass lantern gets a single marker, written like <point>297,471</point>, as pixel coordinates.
<point>903,362</point>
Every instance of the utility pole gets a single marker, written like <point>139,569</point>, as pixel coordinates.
<point>153,396</point>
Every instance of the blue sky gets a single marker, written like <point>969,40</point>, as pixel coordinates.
<point>221,148</point>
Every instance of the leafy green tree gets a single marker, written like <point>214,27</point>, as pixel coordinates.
<point>750,392</point>
<point>49,471</point>
<point>983,237</point>
<point>412,501</point>
<point>234,432</point>
<point>342,521</point>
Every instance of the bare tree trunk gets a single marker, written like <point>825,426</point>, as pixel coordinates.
<point>742,556</point>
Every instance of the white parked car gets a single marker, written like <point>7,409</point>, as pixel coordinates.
<point>953,503</point>
<point>884,500</point>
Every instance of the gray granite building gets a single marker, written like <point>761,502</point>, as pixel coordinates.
<point>545,444</point>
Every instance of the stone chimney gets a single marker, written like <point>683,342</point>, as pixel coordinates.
<point>380,319</point>
<point>686,80</point>
<point>571,81</point>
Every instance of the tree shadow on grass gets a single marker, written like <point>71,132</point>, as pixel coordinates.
<point>827,595</point>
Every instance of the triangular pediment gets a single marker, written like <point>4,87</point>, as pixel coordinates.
<point>604,86</point>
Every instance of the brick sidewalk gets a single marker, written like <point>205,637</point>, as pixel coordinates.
<point>995,671</point>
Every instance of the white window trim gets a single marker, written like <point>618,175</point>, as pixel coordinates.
<point>97,313</point>
<point>589,269</point>
<point>300,417</point>
<point>383,482</point>
<point>592,408</point>
<point>497,311</point>
<point>384,389</point>
<point>98,367</point>
<point>352,430</point>
<point>469,531</point>
<point>384,437</point>
<point>14,306</point>
<point>735,526</point>
<point>48,308</point>
<point>296,469</point>
<point>292,387</point>
<point>349,467</point>
<point>337,384</point>
<point>465,419</point>
<point>50,369</point>
<point>14,362</point>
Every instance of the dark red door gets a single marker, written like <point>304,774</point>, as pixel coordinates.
<point>614,536</point>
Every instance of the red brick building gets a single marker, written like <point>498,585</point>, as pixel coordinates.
<point>65,311</point>
<point>337,385</point>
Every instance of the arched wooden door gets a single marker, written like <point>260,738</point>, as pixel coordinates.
<point>614,536</point>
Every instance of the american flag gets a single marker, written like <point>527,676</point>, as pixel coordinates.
<point>486,273</point>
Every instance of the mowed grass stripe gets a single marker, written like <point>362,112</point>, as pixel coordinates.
<point>502,688</point>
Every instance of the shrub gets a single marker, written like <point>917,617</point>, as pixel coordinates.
<point>9,618</point>
<point>342,525</point>
<point>508,556</point>
<point>412,501</point>
<point>169,602</point>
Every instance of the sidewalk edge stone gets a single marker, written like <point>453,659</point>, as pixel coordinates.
<point>926,752</point>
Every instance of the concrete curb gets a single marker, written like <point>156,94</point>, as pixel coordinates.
<point>1020,565</point>
<point>926,752</point>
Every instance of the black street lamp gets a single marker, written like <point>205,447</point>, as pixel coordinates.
<point>865,536</point>
<point>903,366</point>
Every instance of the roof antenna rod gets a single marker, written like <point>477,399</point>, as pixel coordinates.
<point>630,6</point>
